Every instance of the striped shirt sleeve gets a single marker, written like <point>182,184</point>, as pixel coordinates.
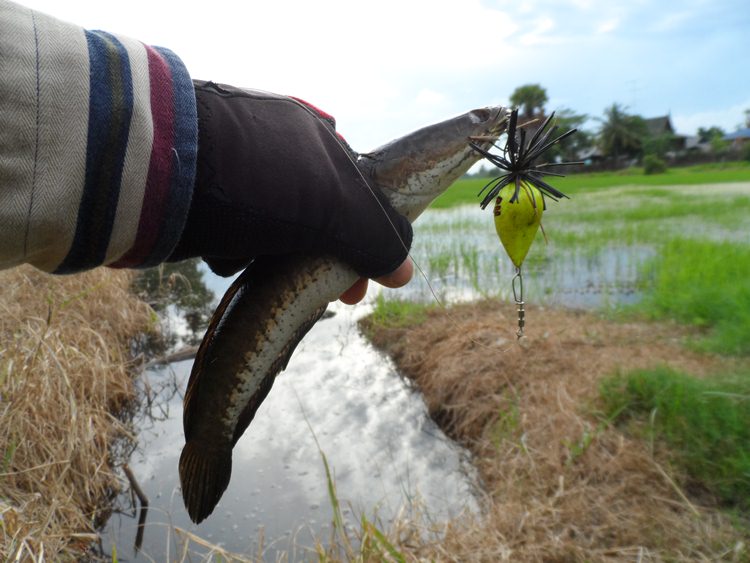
<point>97,149</point>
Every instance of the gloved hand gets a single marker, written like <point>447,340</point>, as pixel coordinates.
<point>274,178</point>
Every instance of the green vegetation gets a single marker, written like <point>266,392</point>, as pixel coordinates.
<point>703,283</point>
<point>465,190</point>
<point>369,542</point>
<point>396,313</point>
<point>706,423</point>
<point>652,164</point>
<point>622,134</point>
<point>659,206</point>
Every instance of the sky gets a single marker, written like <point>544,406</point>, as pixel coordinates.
<point>386,67</point>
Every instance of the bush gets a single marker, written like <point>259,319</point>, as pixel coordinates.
<point>652,164</point>
<point>745,151</point>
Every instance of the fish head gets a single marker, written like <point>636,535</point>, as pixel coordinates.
<point>415,169</point>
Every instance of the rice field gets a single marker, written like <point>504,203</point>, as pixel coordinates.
<point>600,250</point>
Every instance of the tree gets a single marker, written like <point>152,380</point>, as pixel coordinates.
<point>706,134</point>
<point>715,137</point>
<point>530,98</point>
<point>622,134</point>
<point>568,149</point>
<point>657,145</point>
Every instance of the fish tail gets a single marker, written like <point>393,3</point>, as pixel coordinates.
<point>204,475</point>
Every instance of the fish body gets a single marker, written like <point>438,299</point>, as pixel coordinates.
<point>272,305</point>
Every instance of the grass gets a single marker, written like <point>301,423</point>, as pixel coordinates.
<point>65,374</point>
<point>560,481</point>
<point>670,206</point>
<point>396,313</point>
<point>705,423</point>
<point>703,283</point>
<point>465,190</point>
<point>369,544</point>
<point>588,486</point>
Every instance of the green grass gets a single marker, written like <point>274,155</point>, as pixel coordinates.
<point>705,284</point>
<point>672,206</point>
<point>465,190</point>
<point>368,544</point>
<point>397,313</point>
<point>706,424</point>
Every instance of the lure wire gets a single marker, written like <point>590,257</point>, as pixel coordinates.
<point>518,297</point>
<point>348,153</point>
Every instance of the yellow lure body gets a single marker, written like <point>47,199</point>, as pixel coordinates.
<point>517,223</point>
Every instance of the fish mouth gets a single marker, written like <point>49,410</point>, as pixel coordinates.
<point>492,119</point>
<point>482,115</point>
<point>413,170</point>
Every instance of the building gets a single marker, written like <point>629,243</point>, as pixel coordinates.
<point>660,126</point>
<point>738,138</point>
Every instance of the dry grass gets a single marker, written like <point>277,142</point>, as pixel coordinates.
<point>561,484</point>
<point>64,347</point>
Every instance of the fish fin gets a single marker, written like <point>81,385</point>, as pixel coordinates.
<point>204,475</point>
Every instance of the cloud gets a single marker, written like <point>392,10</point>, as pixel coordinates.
<point>728,119</point>
<point>607,26</point>
<point>427,97</point>
<point>540,34</point>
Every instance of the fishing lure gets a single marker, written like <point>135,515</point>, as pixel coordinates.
<point>519,194</point>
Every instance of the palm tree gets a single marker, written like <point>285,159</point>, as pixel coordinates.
<point>621,134</point>
<point>530,98</point>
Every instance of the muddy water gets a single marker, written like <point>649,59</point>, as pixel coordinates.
<point>385,452</point>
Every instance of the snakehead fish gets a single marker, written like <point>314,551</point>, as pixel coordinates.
<point>271,306</point>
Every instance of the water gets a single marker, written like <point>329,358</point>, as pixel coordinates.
<point>386,453</point>
<point>462,260</point>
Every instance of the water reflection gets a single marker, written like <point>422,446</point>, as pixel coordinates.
<point>178,292</point>
<point>461,259</point>
<point>383,448</point>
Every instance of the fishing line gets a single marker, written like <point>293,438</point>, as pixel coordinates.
<point>489,141</point>
<point>351,159</point>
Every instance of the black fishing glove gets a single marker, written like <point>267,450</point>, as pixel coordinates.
<point>274,178</point>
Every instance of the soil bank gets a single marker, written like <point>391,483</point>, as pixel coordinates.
<point>561,484</point>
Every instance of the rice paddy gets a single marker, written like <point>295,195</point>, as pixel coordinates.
<point>600,249</point>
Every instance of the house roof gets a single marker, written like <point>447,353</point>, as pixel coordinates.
<point>659,125</point>
<point>739,134</point>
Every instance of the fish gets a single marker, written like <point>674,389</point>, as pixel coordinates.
<point>276,300</point>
